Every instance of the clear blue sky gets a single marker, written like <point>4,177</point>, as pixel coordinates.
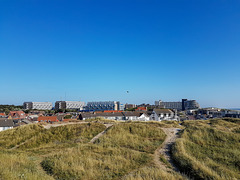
<point>97,50</point>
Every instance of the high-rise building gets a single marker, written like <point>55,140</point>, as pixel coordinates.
<point>69,105</point>
<point>37,105</point>
<point>169,105</point>
<point>184,105</point>
<point>103,106</point>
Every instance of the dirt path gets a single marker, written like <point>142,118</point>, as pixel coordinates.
<point>48,126</point>
<point>164,150</point>
<point>108,126</point>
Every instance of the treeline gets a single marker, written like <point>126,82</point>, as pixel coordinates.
<point>7,108</point>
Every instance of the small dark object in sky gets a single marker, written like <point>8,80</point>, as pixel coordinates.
<point>127,91</point>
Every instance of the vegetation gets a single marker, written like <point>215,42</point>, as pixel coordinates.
<point>205,150</point>
<point>20,166</point>
<point>68,116</point>
<point>124,148</point>
<point>101,120</point>
<point>209,149</point>
<point>8,108</point>
<point>152,172</point>
<point>16,136</point>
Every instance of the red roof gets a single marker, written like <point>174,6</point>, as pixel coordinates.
<point>111,111</point>
<point>17,114</point>
<point>2,114</point>
<point>141,109</point>
<point>48,118</point>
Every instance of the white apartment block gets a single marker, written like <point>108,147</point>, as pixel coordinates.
<point>103,105</point>
<point>69,105</point>
<point>38,105</point>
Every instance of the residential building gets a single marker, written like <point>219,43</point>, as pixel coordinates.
<point>163,114</point>
<point>122,107</point>
<point>169,105</point>
<point>2,114</point>
<point>141,109</point>
<point>49,119</point>
<point>103,105</point>
<point>130,106</point>
<point>16,115</point>
<point>232,113</point>
<point>6,124</point>
<point>127,115</point>
<point>69,105</point>
<point>181,106</point>
<point>38,105</point>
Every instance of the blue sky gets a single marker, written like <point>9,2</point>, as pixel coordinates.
<point>97,50</point>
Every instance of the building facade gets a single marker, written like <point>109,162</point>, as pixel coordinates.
<point>38,105</point>
<point>69,105</point>
<point>181,106</point>
<point>5,124</point>
<point>103,106</point>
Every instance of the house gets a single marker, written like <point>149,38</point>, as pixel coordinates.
<point>105,115</point>
<point>6,124</point>
<point>17,115</point>
<point>163,114</point>
<point>50,119</point>
<point>33,117</point>
<point>127,115</point>
<point>141,109</point>
<point>2,114</point>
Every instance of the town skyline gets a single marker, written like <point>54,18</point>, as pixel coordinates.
<point>117,100</point>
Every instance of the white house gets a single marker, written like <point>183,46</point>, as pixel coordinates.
<point>6,124</point>
<point>163,114</point>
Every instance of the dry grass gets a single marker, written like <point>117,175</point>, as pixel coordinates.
<point>152,172</point>
<point>125,151</point>
<point>73,133</point>
<point>16,136</point>
<point>20,166</point>
<point>124,148</point>
<point>209,149</point>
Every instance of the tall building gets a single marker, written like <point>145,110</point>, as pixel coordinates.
<point>69,105</point>
<point>184,105</point>
<point>191,104</point>
<point>130,106</point>
<point>169,105</point>
<point>37,105</point>
<point>103,106</point>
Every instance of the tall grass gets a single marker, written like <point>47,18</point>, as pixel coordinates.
<point>209,149</point>
<point>124,148</point>
<point>16,136</point>
<point>63,134</point>
<point>136,136</point>
<point>20,166</point>
<point>152,172</point>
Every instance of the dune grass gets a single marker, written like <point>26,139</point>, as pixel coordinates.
<point>20,166</point>
<point>16,136</point>
<point>152,172</point>
<point>64,152</point>
<point>73,133</point>
<point>209,149</point>
<point>136,136</point>
<point>124,148</point>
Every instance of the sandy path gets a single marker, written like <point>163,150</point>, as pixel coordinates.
<point>101,133</point>
<point>165,149</point>
<point>48,126</point>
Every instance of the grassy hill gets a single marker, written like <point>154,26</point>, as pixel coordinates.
<point>210,149</point>
<point>205,150</point>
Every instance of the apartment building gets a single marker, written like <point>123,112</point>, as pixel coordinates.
<point>185,104</point>
<point>69,105</point>
<point>38,105</point>
<point>103,106</point>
